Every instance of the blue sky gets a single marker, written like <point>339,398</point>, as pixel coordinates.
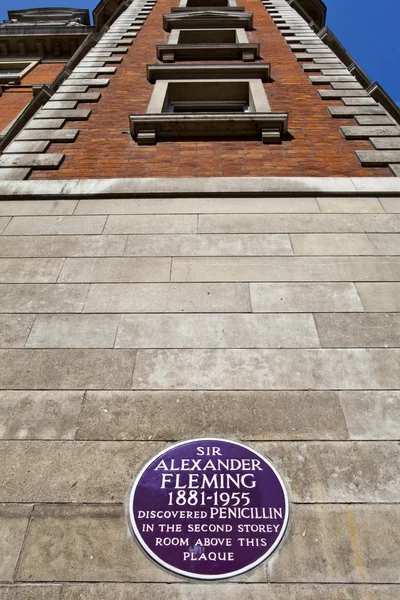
<point>369,30</point>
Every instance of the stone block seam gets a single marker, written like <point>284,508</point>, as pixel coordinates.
<point>348,84</point>
<point>28,150</point>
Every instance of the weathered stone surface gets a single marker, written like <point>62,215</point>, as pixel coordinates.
<point>48,161</point>
<point>245,415</point>
<point>76,270</point>
<point>62,104</point>
<point>305,297</point>
<point>372,415</point>
<point>354,132</point>
<point>391,205</point>
<point>263,591</point>
<point>69,115</point>
<point>340,543</point>
<point>42,131</point>
<point>28,298</point>
<point>395,169</point>
<point>359,101</point>
<point>151,224</point>
<point>88,543</point>
<point>335,244</point>
<point>380,297</point>
<point>378,157</point>
<point>216,331</point>
<point>26,147</point>
<point>326,223</point>
<point>196,205</point>
<point>334,472</point>
<point>330,94</point>
<point>37,207</point>
<point>66,369</point>
<point>385,243</point>
<point>391,143</point>
<point>3,223</point>
<point>209,245</point>
<point>13,524</point>
<point>49,471</point>
<point>39,415</point>
<point>61,225</point>
<point>290,268</point>
<point>350,205</point>
<point>62,245</point>
<point>28,592</point>
<point>14,330</point>
<point>349,111</point>
<point>267,369</point>
<point>30,270</point>
<point>14,173</point>
<point>73,331</point>
<point>42,123</point>
<point>86,97</point>
<point>359,330</point>
<point>374,120</point>
<point>145,298</point>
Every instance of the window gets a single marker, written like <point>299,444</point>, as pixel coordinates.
<point>208,44</point>
<point>208,108</point>
<point>14,71</point>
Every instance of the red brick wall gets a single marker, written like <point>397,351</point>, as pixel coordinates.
<point>14,100</point>
<point>105,148</point>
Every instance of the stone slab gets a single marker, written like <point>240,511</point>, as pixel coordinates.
<point>335,472</point>
<point>385,243</point>
<point>13,174</point>
<point>62,135</point>
<point>395,170</point>
<point>215,331</point>
<point>66,369</point>
<point>3,223</point>
<point>316,79</point>
<point>208,245</point>
<point>86,97</point>
<point>174,205</point>
<point>359,330</point>
<point>359,101</point>
<point>60,225</point>
<point>151,224</point>
<point>354,132</point>
<point>311,268</point>
<point>70,471</point>
<point>38,298</point>
<point>267,369</point>
<point>28,592</point>
<point>62,245</point>
<point>377,157</point>
<point>348,85</point>
<point>244,415</point>
<point>305,297</point>
<point>346,547</point>
<point>72,89</point>
<point>331,244</point>
<point>391,205</point>
<point>272,591</point>
<point>33,161</point>
<point>30,270</point>
<point>152,297</point>
<point>69,115</point>
<point>372,415</point>
<point>95,82</point>
<point>312,223</point>
<point>374,120</point>
<point>333,94</point>
<point>350,205</point>
<point>78,533</point>
<point>39,415</point>
<point>380,297</point>
<point>350,111</point>
<point>73,331</point>
<point>13,525</point>
<point>14,330</point>
<point>54,105</point>
<point>110,270</point>
<point>43,123</point>
<point>26,147</point>
<point>329,71</point>
<point>386,143</point>
<point>87,69</point>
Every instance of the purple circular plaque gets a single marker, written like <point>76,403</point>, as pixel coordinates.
<point>209,508</point>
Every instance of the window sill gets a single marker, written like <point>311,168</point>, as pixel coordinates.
<point>173,52</point>
<point>148,129</point>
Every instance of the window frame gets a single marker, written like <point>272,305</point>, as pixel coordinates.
<point>29,66</point>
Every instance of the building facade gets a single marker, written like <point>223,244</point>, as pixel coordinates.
<point>199,237</point>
